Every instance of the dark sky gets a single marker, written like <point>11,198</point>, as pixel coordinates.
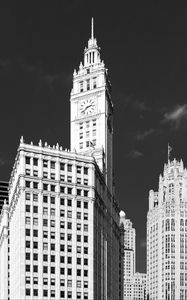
<point>144,46</point>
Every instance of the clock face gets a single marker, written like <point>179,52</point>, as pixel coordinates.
<point>87,107</point>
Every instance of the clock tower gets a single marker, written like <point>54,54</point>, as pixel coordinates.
<point>92,110</point>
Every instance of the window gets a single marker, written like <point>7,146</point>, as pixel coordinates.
<point>69,179</point>
<point>45,199</point>
<point>52,212</point>
<point>27,184</point>
<point>35,197</point>
<point>69,271</point>
<point>27,220</point>
<point>52,293</point>
<point>62,224</point>
<point>35,256</point>
<point>35,161</point>
<point>52,281</point>
<point>27,160</point>
<point>27,292</point>
<point>69,259</point>
<point>27,280</point>
<point>27,268</point>
<point>52,164</point>
<point>35,209</point>
<point>79,169</point>
<point>69,190</point>
<point>69,248</point>
<point>69,295</point>
<point>62,189</point>
<point>45,281</point>
<point>35,221</point>
<point>52,223</point>
<point>78,215</point>
<point>79,238</point>
<point>35,173</point>
<point>85,216</point>
<point>27,208</point>
<point>85,227</point>
<point>69,237</point>
<point>85,296</point>
<point>69,168</point>
<point>69,202</point>
<point>78,272</point>
<point>85,205</point>
<point>78,226</point>
<point>85,273</point>
<point>81,135</point>
<point>80,126</point>
<point>69,225</point>
<point>94,83</point>
<point>79,180</point>
<point>35,185</point>
<point>52,200</point>
<point>61,201</point>
<point>87,124</point>
<point>85,284</point>
<point>85,181</point>
<point>87,144</point>
<point>85,171</point>
<point>45,211</point>
<point>85,261</point>
<point>35,280</point>
<point>35,292</point>
<point>35,268</point>
<point>78,260</point>
<point>27,196</point>
<point>62,213</point>
<point>45,186</point>
<point>78,249</point>
<point>45,257</point>
<point>52,234</point>
<point>81,86</point>
<point>85,250</point>
<point>78,283</point>
<point>52,247</point>
<point>45,234</point>
<point>45,222</point>
<point>62,271</point>
<point>94,123</point>
<point>45,269</point>
<point>87,134</point>
<point>79,192</point>
<point>62,166</point>
<point>45,246</point>
<point>35,245</point>
<point>45,174</point>
<point>69,214</point>
<point>52,270</point>
<point>28,172</point>
<point>85,193</point>
<point>45,293</point>
<point>52,258</point>
<point>62,177</point>
<point>88,84</point>
<point>62,260</point>
<point>52,176</point>
<point>27,256</point>
<point>79,204</point>
<point>81,146</point>
<point>53,188</point>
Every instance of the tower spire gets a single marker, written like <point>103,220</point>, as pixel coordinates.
<point>92,29</point>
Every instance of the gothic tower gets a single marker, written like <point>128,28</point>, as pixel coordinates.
<point>92,110</point>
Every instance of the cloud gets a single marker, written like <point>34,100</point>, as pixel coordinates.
<point>176,116</point>
<point>135,154</point>
<point>140,136</point>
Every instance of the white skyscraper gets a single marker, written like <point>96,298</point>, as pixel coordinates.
<point>134,283</point>
<point>167,235</point>
<point>64,240</point>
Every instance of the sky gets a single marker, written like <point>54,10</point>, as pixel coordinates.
<point>144,47</point>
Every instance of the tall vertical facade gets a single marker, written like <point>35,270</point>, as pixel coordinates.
<point>64,240</point>
<point>167,235</point>
<point>134,283</point>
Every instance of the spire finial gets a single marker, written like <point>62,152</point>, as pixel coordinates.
<point>92,32</point>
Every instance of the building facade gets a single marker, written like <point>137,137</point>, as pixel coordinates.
<point>167,235</point>
<point>134,283</point>
<point>64,240</point>
<point>3,193</point>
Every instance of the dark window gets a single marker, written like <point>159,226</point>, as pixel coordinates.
<point>35,209</point>
<point>45,163</point>
<point>85,193</point>
<point>45,257</point>
<point>35,161</point>
<point>78,272</point>
<point>45,293</point>
<point>28,244</point>
<point>35,268</point>
<point>69,271</point>
<point>69,202</point>
<point>35,185</point>
<point>79,204</point>
<point>62,259</point>
<point>52,270</point>
<point>85,205</point>
<point>53,247</point>
<point>85,250</point>
<point>35,256</point>
<point>61,201</point>
<point>85,272</point>
<point>52,188</point>
<point>69,190</point>
<point>27,232</point>
<point>62,189</point>
<point>69,225</point>
<point>62,166</point>
<point>52,200</point>
<point>52,165</point>
<point>27,160</point>
<point>35,232</point>
<point>78,260</point>
<point>45,187</point>
<point>45,269</point>
<point>35,245</point>
<point>28,292</point>
<point>27,268</point>
<point>69,168</point>
<point>45,199</point>
<point>35,292</point>
<point>27,256</point>
<point>52,258</point>
<point>27,184</point>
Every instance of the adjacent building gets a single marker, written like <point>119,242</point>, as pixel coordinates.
<point>3,193</point>
<point>167,235</point>
<point>65,239</point>
<point>134,283</point>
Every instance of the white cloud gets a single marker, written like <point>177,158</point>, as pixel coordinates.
<point>176,115</point>
<point>134,154</point>
<point>140,136</point>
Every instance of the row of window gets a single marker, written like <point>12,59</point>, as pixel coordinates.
<point>52,294</point>
<point>52,188</point>
<point>87,85</point>
<point>52,281</point>
<point>87,124</point>
<point>63,201</point>
<point>87,134</point>
<point>52,164</point>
